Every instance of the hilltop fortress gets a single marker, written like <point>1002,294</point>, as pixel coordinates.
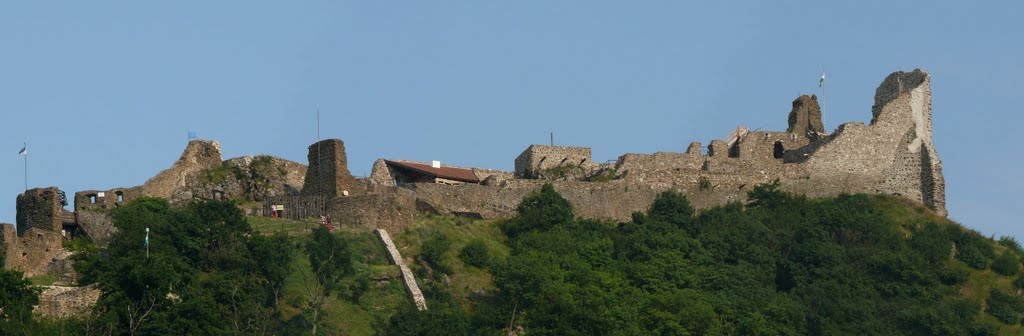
<point>894,155</point>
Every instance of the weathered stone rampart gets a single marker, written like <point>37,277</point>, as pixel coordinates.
<point>105,199</point>
<point>199,155</point>
<point>893,155</point>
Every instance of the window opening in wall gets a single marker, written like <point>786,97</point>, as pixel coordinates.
<point>92,199</point>
<point>779,151</point>
<point>120,196</point>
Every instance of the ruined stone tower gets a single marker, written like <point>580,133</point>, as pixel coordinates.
<point>328,173</point>
<point>39,208</point>
<point>805,116</point>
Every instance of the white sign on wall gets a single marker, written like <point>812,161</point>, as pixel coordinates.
<point>100,194</point>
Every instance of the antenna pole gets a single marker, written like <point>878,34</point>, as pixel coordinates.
<point>552,138</point>
<point>319,165</point>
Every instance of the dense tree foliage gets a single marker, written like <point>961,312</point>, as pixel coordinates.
<point>204,272</point>
<point>778,265</point>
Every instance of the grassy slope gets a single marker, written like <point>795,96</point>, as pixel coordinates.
<point>386,292</point>
<point>386,295</point>
<point>465,279</point>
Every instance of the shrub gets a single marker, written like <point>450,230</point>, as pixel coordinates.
<point>954,275</point>
<point>475,254</point>
<point>933,243</point>
<point>1011,243</point>
<point>1006,264</point>
<point>1005,307</point>
<point>435,248</point>
<point>984,329</point>
<point>1018,283</point>
<point>975,250</point>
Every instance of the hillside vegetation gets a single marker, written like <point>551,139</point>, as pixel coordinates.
<point>778,265</point>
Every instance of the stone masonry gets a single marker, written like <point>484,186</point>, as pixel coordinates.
<point>893,155</point>
<point>36,247</point>
<point>328,173</point>
<point>39,208</point>
<point>538,158</point>
<point>199,155</point>
<point>407,276</point>
<point>805,116</point>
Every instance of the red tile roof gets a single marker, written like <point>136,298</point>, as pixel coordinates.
<point>451,173</point>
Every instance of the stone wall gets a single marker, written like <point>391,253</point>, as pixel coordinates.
<point>252,178</point>
<point>537,158</point>
<point>381,175</point>
<point>328,173</point>
<point>97,225</point>
<point>893,155</point>
<point>105,199</point>
<point>61,302</point>
<point>34,251</point>
<point>392,210</point>
<point>407,276</point>
<point>198,155</point>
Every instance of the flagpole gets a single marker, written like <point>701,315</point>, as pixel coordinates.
<point>824,100</point>
<point>25,146</point>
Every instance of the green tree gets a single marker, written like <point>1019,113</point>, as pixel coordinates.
<point>273,256</point>
<point>17,296</point>
<point>541,210</point>
<point>330,260</point>
<point>673,208</point>
<point>204,272</point>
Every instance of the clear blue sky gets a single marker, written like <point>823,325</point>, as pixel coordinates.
<point>106,92</point>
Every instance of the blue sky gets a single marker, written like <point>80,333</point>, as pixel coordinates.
<point>106,92</point>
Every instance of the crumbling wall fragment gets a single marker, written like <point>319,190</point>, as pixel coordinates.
<point>328,173</point>
<point>198,155</point>
<point>805,116</point>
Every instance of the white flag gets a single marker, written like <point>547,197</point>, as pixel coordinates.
<point>822,80</point>
<point>23,151</point>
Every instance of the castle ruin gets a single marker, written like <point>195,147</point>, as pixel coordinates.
<point>893,154</point>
